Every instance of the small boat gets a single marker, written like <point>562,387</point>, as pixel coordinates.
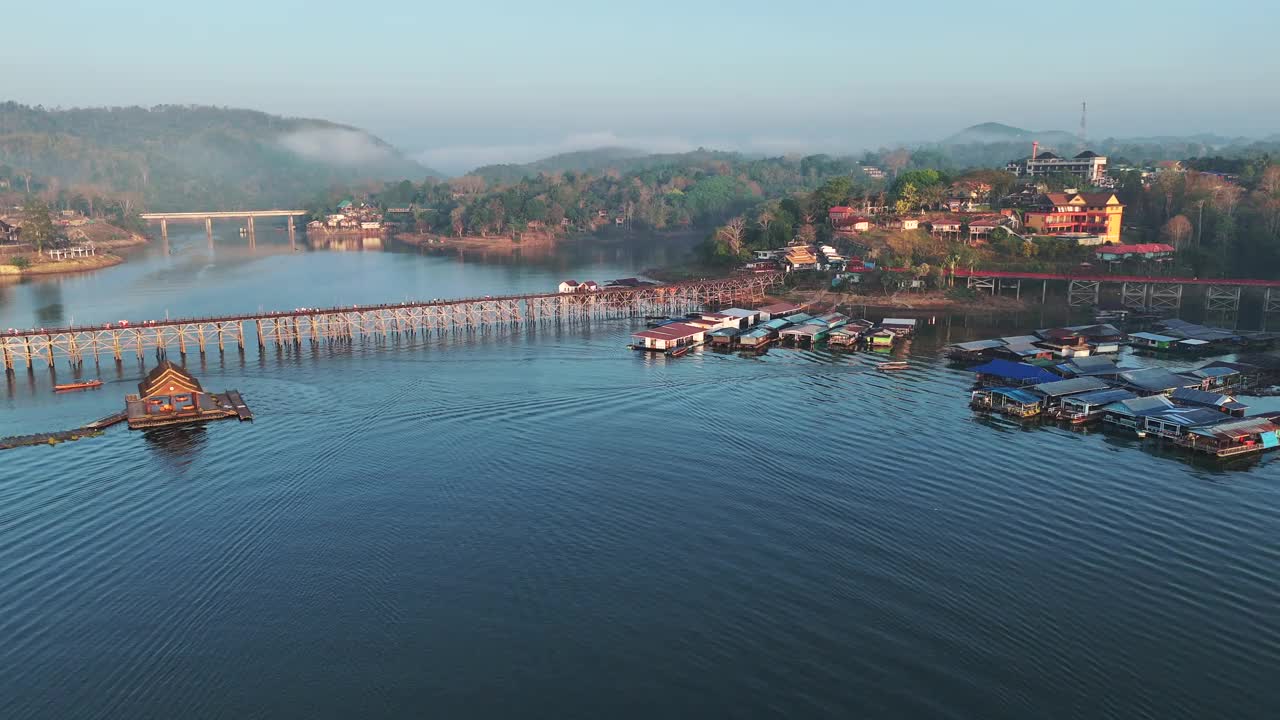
<point>86,385</point>
<point>892,365</point>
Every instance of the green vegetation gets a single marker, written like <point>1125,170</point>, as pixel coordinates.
<point>186,157</point>
<point>20,261</point>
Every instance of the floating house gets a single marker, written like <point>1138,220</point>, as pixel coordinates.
<point>803,334</point>
<point>1014,402</point>
<point>881,339</point>
<point>1176,423</point>
<point>1216,377</point>
<point>902,327</point>
<point>1090,366</point>
<point>724,337</point>
<point>798,318</point>
<point>1229,439</point>
<point>973,351</point>
<point>1130,413</point>
<point>1152,341</point>
<point>845,336</point>
<point>1003,373</point>
<point>757,338</point>
<point>1053,393</point>
<point>746,318</point>
<point>1155,381</point>
<point>779,309</point>
<point>1088,407</point>
<point>169,395</point>
<point>671,336</point>
<point>829,321</point>
<point>1211,400</point>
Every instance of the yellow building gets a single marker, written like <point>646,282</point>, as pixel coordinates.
<point>1097,215</point>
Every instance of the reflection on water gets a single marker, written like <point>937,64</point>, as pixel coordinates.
<point>176,445</point>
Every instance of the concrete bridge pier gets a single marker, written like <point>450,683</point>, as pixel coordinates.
<point>1133,295</point>
<point>292,237</point>
<point>1271,301</point>
<point>164,229</point>
<point>1222,297</point>
<point>208,228</point>
<point>1083,293</point>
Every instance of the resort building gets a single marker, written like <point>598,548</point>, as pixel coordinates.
<point>1093,218</point>
<point>1089,166</point>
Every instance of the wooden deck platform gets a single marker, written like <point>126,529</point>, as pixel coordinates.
<point>232,397</point>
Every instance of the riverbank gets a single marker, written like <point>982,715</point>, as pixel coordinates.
<point>490,242</point>
<point>45,266</point>
<point>912,301</point>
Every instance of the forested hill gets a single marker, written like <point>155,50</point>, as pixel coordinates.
<point>621,160</point>
<point>177,157</point>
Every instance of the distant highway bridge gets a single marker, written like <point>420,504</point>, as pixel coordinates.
<point>346,324</point>
<point>209,216</point>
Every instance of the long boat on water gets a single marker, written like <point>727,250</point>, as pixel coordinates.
<point>86,385</point>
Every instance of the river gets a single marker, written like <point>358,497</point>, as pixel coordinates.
<point>543,524</point>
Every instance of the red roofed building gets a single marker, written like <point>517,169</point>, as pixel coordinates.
<point>1097,214</point>
<point>668,337</point>
<point>1145,251</point>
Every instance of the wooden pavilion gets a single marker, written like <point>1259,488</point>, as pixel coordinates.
<point>169,395</point>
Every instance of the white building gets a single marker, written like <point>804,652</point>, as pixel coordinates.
<point>1089,166</point>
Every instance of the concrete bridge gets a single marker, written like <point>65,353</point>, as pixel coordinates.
<point>343,325</point>
<point>1137,292</point>
<point>209,216</point>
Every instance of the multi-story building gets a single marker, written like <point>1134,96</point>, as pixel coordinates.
<point>1089,166</point>
<point>1093,218</point>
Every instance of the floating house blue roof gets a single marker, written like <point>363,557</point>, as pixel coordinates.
<point>776,324</point>
<point>798,318</point>
<point>1015,371</point>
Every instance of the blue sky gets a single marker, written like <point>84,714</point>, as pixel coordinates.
<point>463,83</point>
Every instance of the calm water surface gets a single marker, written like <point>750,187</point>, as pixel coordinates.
<point>543,524</point>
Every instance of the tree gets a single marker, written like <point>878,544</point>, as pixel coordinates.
<point>1177,231</point>
<point>908,199</point>
<point>37,227</point>
<point>732,232</point>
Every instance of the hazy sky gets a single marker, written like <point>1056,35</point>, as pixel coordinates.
<point>463,83</point>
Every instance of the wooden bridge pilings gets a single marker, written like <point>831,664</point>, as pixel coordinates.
<point>346,325</point>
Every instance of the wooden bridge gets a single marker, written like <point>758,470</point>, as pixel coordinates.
<point>1137,292</point>
<point>347,324</point>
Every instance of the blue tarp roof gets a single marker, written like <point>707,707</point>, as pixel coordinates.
<point>1015,371</point>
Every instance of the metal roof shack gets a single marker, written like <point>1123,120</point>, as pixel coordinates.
<point>1090,366</point>
<point>1061,388</point>
<point>830,320</point>
<point>1200,398</point>
<point>1235,429</point>
<point>899,326</point>
<point>779,309</point>
<point>1141,406</point>
<point>1100,397</point>
<point>798,318</point>
<point>1013,373</point>
<point>1155,381</point>
<point>776,324</point>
